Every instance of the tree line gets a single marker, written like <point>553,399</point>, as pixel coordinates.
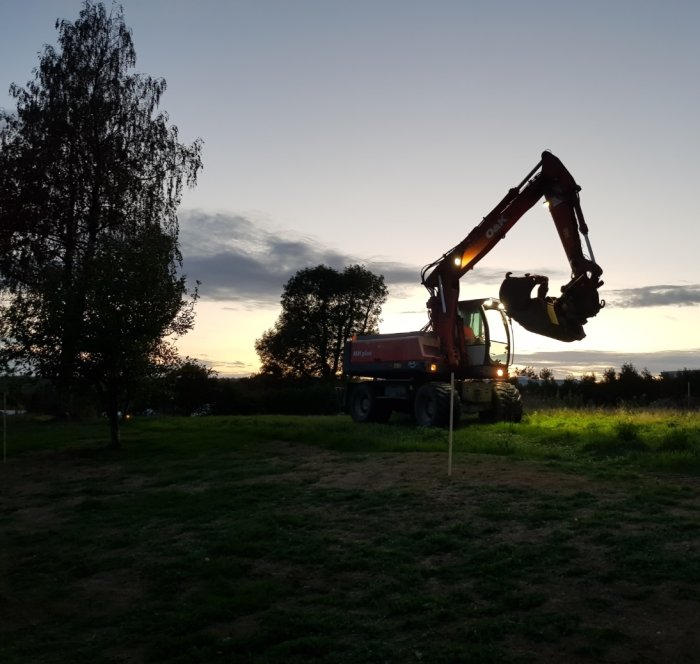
<point>189,388</point>
<point>626,387</point>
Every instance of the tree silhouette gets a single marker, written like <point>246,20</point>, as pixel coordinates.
<point>91,176</point>
<point>526,372</point>
<point>321,308</point>
<point>546,374</point>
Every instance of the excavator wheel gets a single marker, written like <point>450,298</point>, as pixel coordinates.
<point>431,406</point>
<point>506,404</point>
<point>364,405</point>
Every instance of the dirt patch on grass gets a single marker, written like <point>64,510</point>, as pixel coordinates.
<point>425,471</point>
<point>615,620</point>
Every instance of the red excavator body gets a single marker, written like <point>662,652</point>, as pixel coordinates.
<point>467,344</point>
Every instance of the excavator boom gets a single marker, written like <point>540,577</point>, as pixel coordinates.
<point>562,317</point>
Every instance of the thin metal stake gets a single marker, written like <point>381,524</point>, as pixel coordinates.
<point>451,429</point>
<point>4,427</point>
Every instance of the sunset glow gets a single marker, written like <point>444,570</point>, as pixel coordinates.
<point>382,133</point>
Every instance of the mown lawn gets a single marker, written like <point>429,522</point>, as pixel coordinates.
<point>572,537</point>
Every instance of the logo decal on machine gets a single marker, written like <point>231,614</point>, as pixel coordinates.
<point>490,232</point>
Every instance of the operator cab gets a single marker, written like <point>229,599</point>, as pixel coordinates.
<point>485,338</point>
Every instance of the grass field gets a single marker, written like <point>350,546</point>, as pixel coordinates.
<point>572,537</point>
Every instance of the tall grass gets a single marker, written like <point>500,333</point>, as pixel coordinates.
<point>654,440</point>
<point>622,439</point>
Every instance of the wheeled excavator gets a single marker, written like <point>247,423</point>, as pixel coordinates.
<point>463,353</point>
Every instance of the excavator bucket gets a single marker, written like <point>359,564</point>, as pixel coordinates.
<point>560,317</point>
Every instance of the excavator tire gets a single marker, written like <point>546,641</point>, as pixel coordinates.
<point>431,406</point>
<point>364,405</point>
<point>506,405</point>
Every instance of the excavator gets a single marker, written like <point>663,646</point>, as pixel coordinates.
<point>458,363</point>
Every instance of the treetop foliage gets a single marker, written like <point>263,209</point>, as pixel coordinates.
<point>79,151</point>
<point>321,308</point>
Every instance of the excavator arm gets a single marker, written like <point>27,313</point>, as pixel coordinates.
<point>560,318</point>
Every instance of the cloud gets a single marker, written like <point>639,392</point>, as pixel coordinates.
<point>238,260</point>
<point>561,363</point>
<point>656,296</point>
<point>230,368</point>
<point>577,363</point>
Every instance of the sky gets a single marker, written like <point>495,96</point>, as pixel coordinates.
<point>381,132</point>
